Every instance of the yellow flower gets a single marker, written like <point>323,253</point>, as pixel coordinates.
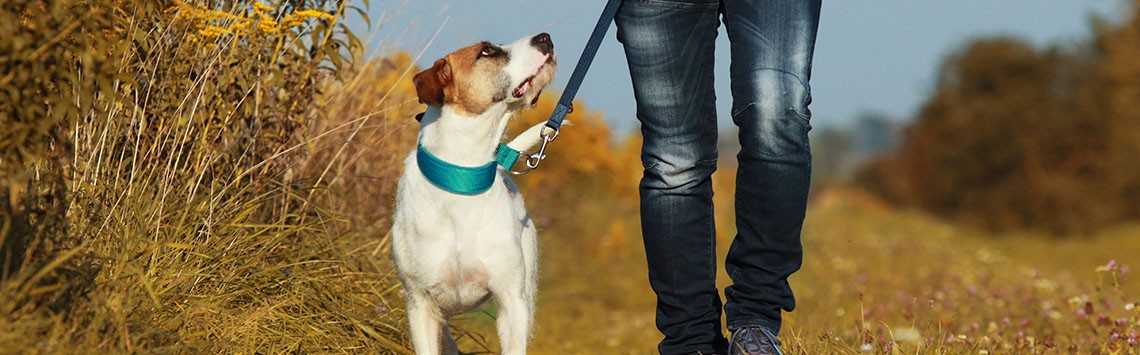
<point>267,25</point>
<point>212,31</point>
<point>313,14</point>
<point>260,7</point>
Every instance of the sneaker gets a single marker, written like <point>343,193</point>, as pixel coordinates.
<point>754,341</point>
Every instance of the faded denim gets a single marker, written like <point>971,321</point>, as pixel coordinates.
<point>669,49</point>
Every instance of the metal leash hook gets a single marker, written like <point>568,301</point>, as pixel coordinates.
<point>533,159</point>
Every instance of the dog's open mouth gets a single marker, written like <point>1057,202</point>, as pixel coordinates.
<point>525,86</point>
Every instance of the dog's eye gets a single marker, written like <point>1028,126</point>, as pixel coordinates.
<point>489,51</point>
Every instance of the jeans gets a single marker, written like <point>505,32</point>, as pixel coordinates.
<point>669,48</point>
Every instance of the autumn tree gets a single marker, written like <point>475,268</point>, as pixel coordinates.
<point>1019,137</point>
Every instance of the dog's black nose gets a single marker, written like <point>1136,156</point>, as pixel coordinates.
<point>543,43</point>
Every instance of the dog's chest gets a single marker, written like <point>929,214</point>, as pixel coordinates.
<point>438,211</point>
<point>450,245</point>
<point>460,227</point>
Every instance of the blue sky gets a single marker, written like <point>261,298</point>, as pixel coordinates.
<point>871,55</point>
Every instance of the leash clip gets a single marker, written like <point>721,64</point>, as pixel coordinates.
<point>533,159</point>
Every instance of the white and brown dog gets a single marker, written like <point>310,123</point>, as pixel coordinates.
<point>457,247</point>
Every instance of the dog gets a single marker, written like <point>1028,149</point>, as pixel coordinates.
<point>456,249</point>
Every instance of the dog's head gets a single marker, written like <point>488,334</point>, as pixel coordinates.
<point>480,76</point>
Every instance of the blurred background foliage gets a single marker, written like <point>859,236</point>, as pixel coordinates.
<point>1015,137</point>
<point>219,177</point>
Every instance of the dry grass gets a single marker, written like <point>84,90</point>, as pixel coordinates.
<point>875,280</point>
<point>185,211</point>
<point>900,281</point>
<point>227,201</point>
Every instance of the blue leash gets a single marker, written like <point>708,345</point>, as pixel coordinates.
<point>566,102</point>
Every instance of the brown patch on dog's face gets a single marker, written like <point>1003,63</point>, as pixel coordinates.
<point>475,78</point>
<point>470,79</point>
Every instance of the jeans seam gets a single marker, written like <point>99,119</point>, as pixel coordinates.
<point>802,116</point>
<point>711,226</point>
<point>737,112</point>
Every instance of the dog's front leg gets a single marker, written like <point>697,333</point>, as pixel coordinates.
<point>514,322</point>
<point>427,325</point>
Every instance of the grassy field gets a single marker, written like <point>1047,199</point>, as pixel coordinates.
<point>876,280</point>
<point>203,181</point>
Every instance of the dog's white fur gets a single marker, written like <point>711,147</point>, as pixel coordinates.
<point>454,251</point>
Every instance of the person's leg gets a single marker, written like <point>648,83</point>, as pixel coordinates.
<point>669,47</point>
<point>772,45</point>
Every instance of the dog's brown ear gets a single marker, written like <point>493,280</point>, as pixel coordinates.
<point>430,83</point>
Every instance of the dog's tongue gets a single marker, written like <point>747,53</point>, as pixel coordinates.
<point>522,89</point>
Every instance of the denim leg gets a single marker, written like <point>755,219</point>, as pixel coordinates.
<point>669,48</point>
<point>772,45</point>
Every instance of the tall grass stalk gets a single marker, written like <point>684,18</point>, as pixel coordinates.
<point>175,217</point>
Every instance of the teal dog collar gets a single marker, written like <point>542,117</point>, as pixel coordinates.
<point>463,180</point>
